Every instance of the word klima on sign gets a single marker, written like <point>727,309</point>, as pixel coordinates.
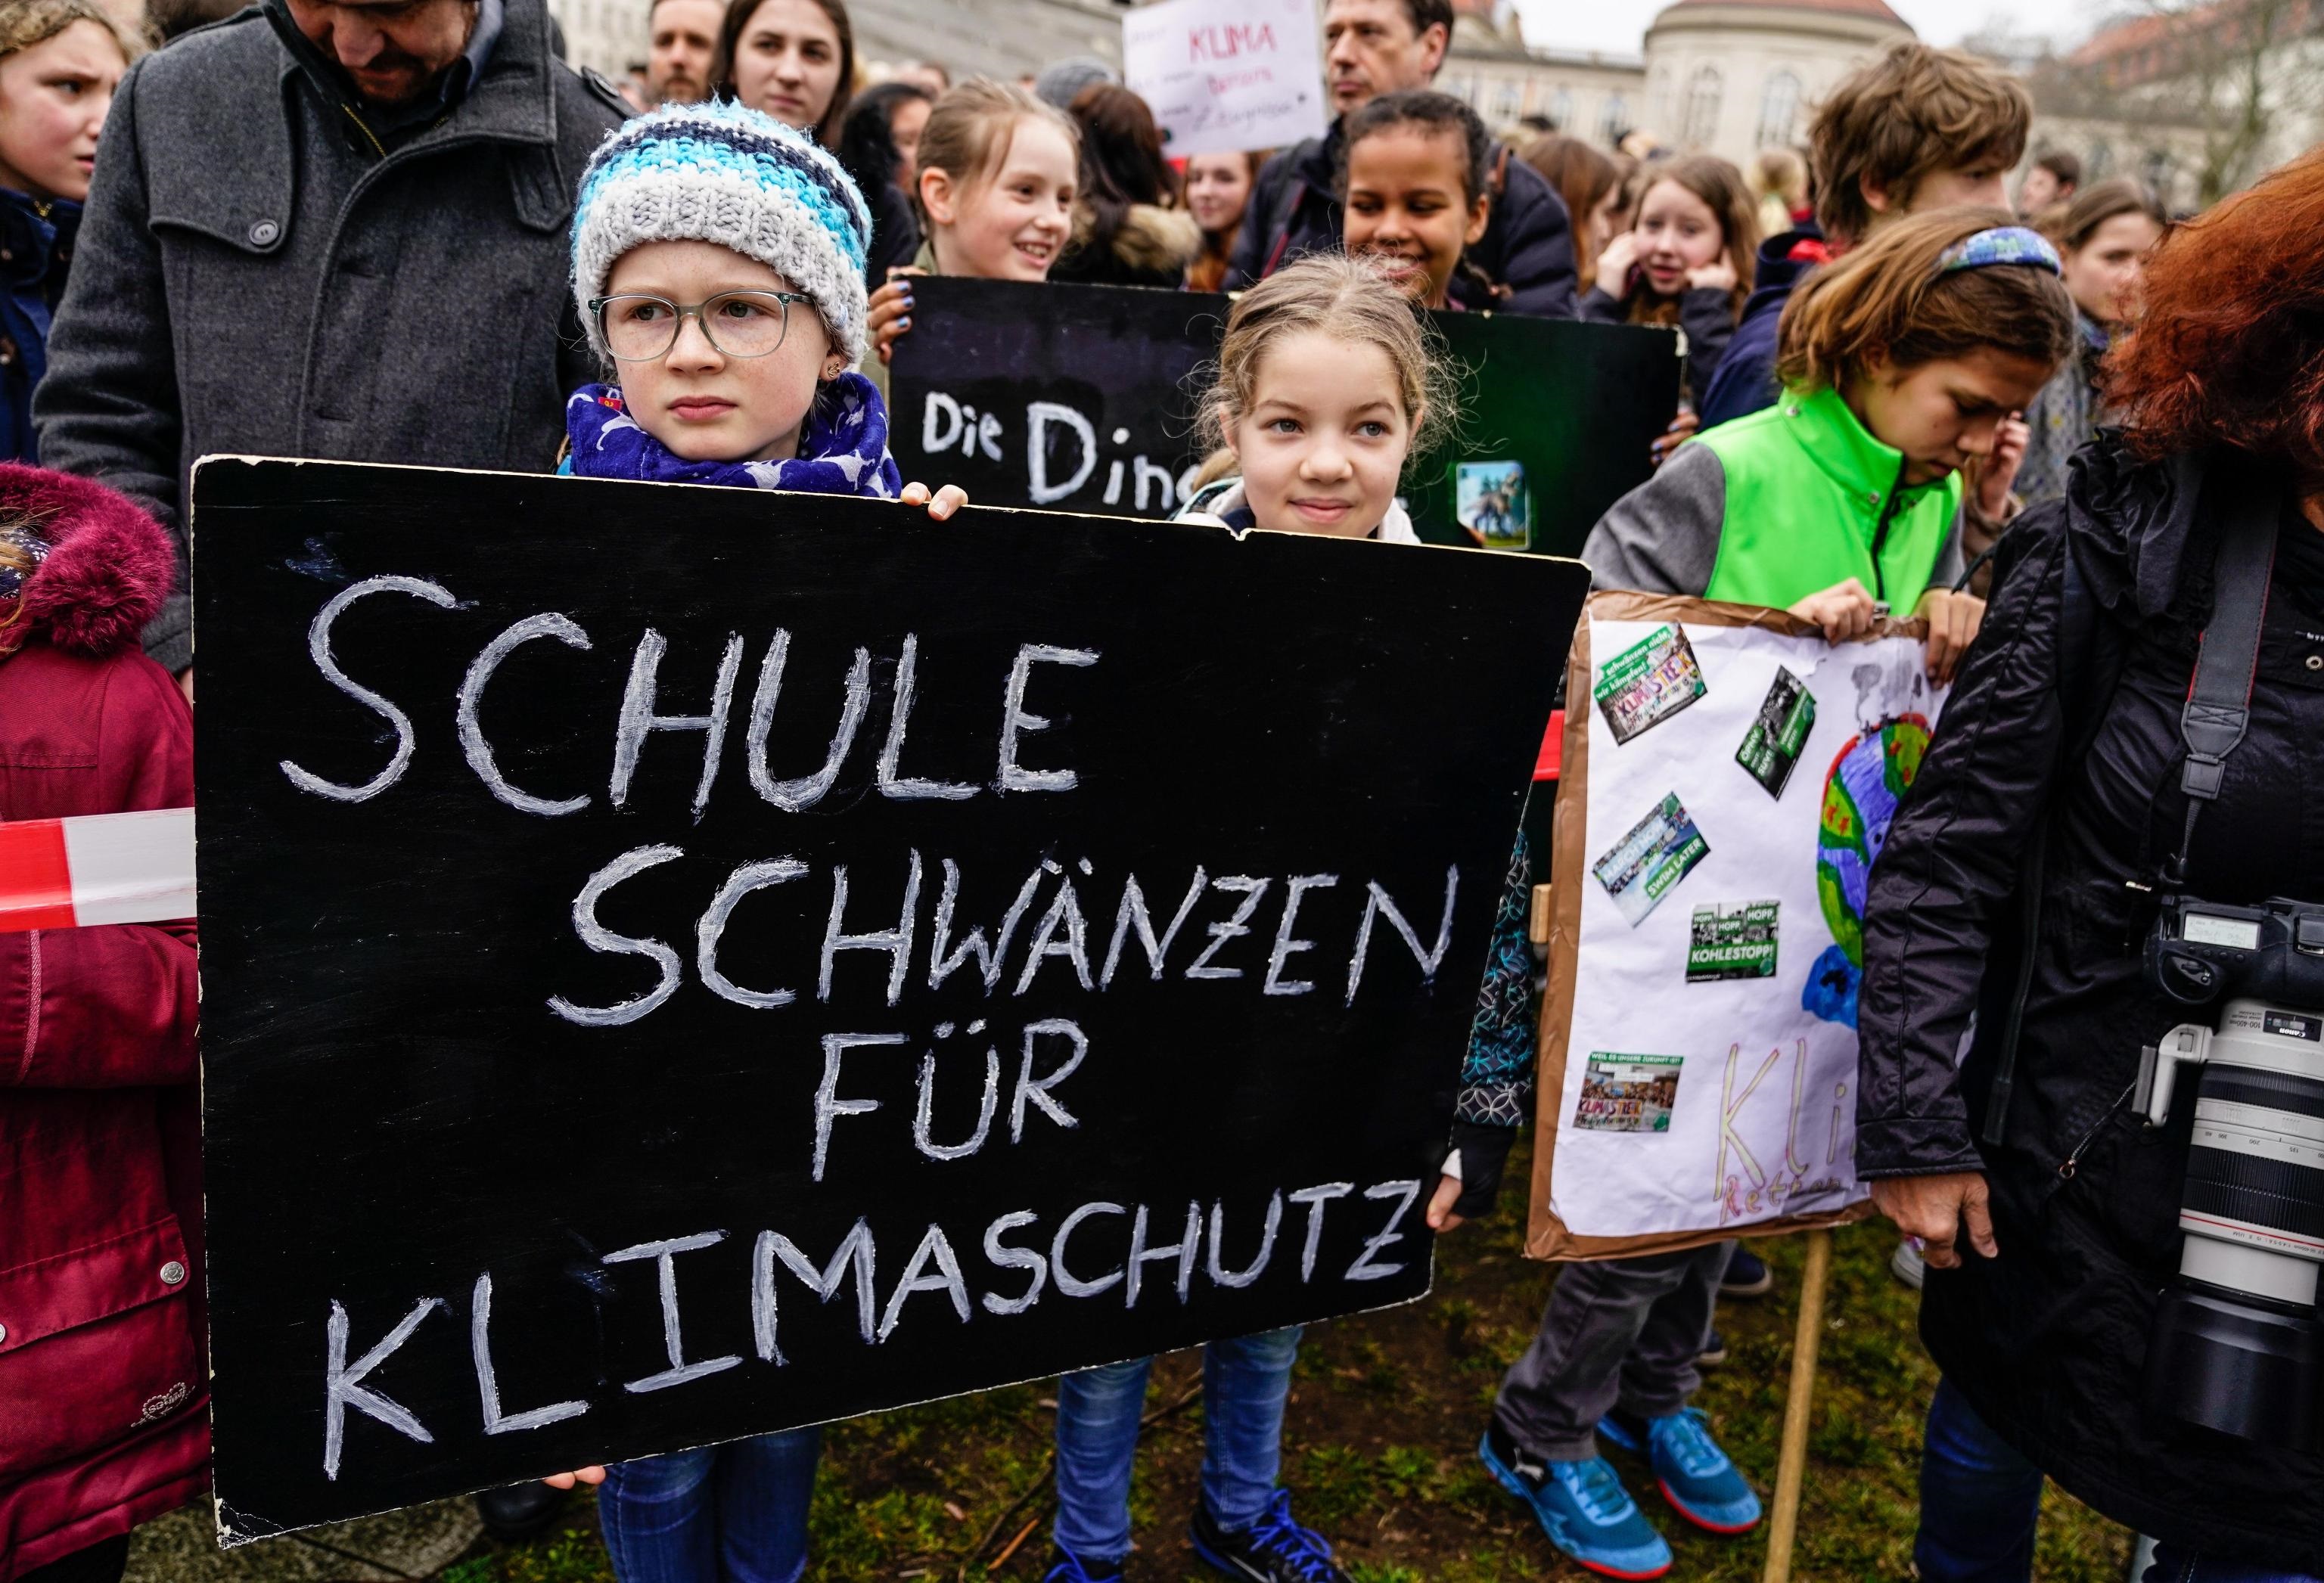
<point>1224,41</point>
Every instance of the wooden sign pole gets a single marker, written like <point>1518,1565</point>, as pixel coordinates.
<point>1791,1464</point>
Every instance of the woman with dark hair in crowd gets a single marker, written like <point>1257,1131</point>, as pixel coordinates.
<point>1218,191</point>
<point>793,59</point>
<point>1129,230</point>
<point>1592,185</point>
<point>2017,888</point>
<point>879,146</point>
<point>2104,238</point>
<point>58,62</point>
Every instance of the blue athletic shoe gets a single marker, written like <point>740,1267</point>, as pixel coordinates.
<point>1581,1507</point>
<point>1695,1475</point>
<point>1273,1549</point>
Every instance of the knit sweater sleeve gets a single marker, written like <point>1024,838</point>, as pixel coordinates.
<point>1663,537</point>
<point>1496,1077</point>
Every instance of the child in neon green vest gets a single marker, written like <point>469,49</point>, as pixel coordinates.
<point>1889,458</point>
<point>1902,363</point>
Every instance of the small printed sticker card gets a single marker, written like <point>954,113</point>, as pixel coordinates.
<point>1492,502</point>
<point>1646,865</point>
<point>1771,748</point>
<point>1734,940</point>
<point>1649,681</point>
<point>1628,1093</point>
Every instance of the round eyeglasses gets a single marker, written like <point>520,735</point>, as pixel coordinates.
<point>639,326</point>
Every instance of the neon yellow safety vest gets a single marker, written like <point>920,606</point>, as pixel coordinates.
<point>1813,501</point>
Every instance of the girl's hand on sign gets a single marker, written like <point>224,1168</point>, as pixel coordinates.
<point>942,504</point>
<point>1681,430</point>
<point>1953,619</point>
<point>1441,1217</point>
<point>1843,612</point>
<point>891,310</point>
<point>591,1475</point>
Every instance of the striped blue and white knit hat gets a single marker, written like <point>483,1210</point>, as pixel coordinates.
<point>719,172</point>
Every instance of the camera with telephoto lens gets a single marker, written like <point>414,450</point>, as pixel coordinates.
<point>2238,1342</point>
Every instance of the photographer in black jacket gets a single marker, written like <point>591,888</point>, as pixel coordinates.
<point>2019,882</point>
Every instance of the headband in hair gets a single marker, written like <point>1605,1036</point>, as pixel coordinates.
<point>2004,245</point>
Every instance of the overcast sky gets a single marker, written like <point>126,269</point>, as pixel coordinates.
<point>1621,24</point>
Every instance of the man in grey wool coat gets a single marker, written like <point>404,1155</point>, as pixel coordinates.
<point>325,229</point>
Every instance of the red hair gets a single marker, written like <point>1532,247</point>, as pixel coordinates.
<point>2230,349</point>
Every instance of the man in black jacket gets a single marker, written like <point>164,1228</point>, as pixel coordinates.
<point>328,228</point>
<point>1375,47</point>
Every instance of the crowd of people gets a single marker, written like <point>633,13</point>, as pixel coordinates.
<point>407,232</point>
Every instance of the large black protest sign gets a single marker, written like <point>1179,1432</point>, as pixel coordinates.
<point>1082,398</point>
<point>681,962</point>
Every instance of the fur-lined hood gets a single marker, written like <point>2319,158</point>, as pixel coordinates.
<point>1149,240</point>
<point>109,567</point>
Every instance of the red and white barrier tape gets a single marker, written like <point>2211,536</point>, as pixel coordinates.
<point>99,869</point>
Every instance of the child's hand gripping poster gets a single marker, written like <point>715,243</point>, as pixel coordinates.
<point>1730,778</point>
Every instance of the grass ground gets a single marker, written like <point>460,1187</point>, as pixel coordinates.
<point>1379,1449</point>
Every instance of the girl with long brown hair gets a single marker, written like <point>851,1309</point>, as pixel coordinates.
<point>1686,262</point>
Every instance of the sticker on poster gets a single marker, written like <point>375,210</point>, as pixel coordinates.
<point>1649,681</point>
<point>1732,941</point>
<point>1628,1093</point>
<point>1646,865</point>
<point>1779,733</point>
<point>1493,504</point>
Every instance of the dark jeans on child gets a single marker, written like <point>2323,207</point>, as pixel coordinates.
<point>1980,1500</point>
<point>730,1514</point>
<point>1621,1333</point>
<point>1244,1383</point>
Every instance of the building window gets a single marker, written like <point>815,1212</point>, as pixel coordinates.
<point>1508,100</point>
<point>1614,120</point>
<point>1702,95</point>
<point>2100,164</point>
<point>1779,111</point>
<point>1561,109</point>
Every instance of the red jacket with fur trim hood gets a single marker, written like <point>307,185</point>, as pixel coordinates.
<point>104,1404</point>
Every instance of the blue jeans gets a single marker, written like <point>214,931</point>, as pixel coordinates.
<point>730,1514</point>
<point>1980,1499</point>
<point>1244,1382</point>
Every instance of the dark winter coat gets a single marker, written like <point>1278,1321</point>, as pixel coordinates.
<point>104,1394</point>
<point>2090,639</point>
<point>1137,244</point>
<point>895,233</point>
<point>36,246</point>
<point>1527,245</point>
<point>1705,313</point>
<point>1745,379</point>
<point>255,275</point>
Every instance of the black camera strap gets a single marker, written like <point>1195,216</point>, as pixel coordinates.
<point>2217,710</point>
<point>2217,714</point>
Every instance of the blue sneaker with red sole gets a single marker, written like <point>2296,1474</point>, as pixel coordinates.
<point>1581,1507</point>
<point>1696,1477</point>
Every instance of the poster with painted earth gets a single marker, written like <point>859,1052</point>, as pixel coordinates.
<point>1761,1114</point>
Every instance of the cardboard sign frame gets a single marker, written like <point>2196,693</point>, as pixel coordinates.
<point>1547,1237</point>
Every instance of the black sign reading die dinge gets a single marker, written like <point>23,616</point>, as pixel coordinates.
<point>683,963</point>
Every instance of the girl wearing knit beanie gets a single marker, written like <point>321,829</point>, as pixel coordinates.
<point>718,262</point>
<point>718,265</point>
